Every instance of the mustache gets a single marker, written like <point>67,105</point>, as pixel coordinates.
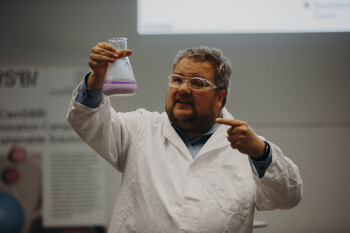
<point>183,99</point>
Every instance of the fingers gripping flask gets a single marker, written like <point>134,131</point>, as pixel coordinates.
<point>120,79</point>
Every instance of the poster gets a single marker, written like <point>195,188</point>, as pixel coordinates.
<point>55,182</point>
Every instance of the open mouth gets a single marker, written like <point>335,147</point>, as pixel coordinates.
<point>183,102</point>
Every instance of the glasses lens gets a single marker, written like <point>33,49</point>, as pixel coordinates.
<point>194,83</point>
<point>175,80</point>
<point>197,83</point>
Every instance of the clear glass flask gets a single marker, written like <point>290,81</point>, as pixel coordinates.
<point>120,79</point>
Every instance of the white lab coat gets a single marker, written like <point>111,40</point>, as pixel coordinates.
<point>164,190</point>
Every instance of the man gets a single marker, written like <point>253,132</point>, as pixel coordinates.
<point>192,168</point>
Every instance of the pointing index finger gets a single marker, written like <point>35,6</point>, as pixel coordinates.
<point>229,122</point>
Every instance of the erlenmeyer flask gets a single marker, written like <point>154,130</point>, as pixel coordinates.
<point>120,79</point>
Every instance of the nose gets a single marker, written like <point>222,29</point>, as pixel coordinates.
<point>184,88</point>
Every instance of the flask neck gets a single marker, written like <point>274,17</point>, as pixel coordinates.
<point>119,42</point>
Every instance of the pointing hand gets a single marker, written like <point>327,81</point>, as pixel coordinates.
<point>243,138</point>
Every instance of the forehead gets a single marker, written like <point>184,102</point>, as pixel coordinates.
<point>193,67</point>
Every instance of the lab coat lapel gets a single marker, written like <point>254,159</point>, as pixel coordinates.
<point>170,133</point>
<point>218,139</point>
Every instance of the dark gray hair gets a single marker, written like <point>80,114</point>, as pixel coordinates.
<point>222,67</point>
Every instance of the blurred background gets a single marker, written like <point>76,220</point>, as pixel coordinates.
<point>292,88</point>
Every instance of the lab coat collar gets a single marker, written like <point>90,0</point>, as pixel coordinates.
<point>170,133</point>
<point>219,138</point>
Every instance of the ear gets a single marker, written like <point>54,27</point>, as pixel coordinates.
<point>220,97</point>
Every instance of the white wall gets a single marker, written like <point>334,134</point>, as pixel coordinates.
<point>292,88</point>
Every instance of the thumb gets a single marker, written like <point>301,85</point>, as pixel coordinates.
<point>124,53</point>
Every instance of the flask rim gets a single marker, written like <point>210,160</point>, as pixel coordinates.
<point>118,39</point>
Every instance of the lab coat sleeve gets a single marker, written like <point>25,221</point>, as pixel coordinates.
<point>107,132</point>
<point>281,187</point>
